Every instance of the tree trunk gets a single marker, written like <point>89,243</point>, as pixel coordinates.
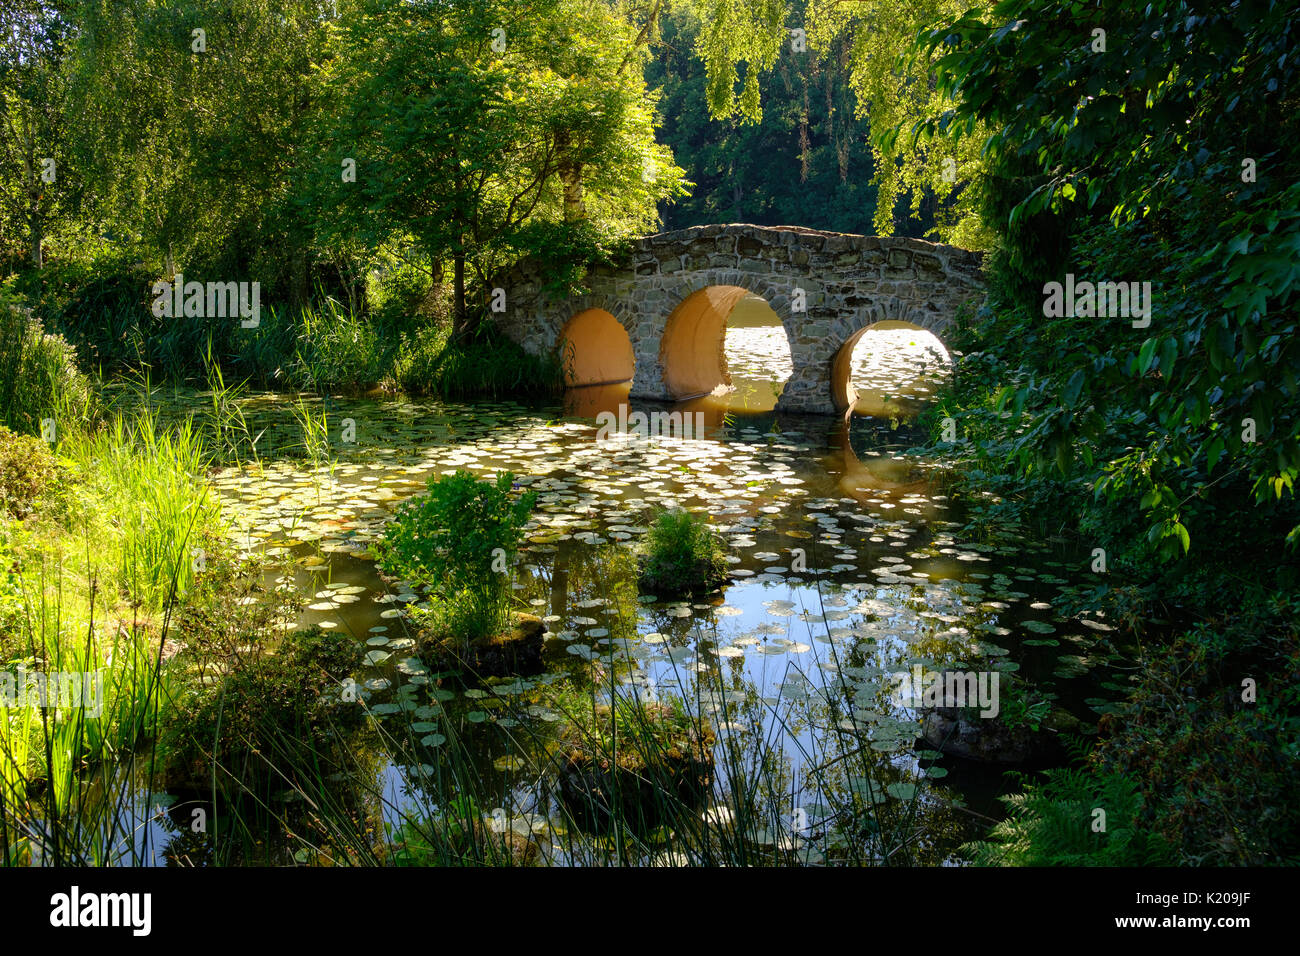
<point>38,233</point>
<point>460,324</point>
<point>571,176</point>
<point>574,208</point>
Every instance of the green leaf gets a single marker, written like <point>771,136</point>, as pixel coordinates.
<point>1145,356</point>
<point>1073,387</point>
<point>1213,452</point>
<point>1168,352</point>
<point>1183,536</point>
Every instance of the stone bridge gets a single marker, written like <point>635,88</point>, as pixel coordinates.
<point>659,317</point>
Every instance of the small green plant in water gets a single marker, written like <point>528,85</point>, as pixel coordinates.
<point>460,538</point>
<point>315,428</point>
<point>1029,710</point>
<point>682,555</point>
<point>639,762</point>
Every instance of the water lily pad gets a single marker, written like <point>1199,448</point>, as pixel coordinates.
<point>901,791</point>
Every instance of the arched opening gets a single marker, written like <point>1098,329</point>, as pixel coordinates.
<point>725,339</point>
<point>888,370</point>
<point>595,350</point>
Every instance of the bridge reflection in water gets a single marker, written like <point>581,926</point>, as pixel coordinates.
<point>893,372</point>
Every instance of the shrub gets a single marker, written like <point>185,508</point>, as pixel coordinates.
<point>27,470</point>
<point>682,555</point>
<point>404,295</point>
<point>11,605</point>
<point>419,358</point>
<point>101,307</point>
<point>459,537</point>
<point>266,352</point>
<point>1217,770</point>
<point>38,373</point>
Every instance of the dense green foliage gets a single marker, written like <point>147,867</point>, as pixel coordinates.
<point>27,470</point>
<point>1055,823</point>
<point>458,541</point>
<point>374,153</point>
<point>1206,396</point>
<point>1211,737</point>
<point>1167,438</point>
<point>245,731</point>
<point>806,162</point>
<point>483,363</point>
<point>682,555</point>
<point>374,164</point>
<point>39,378</point>
<point>869,46</point>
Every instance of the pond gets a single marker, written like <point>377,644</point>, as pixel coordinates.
<point>847,569</point>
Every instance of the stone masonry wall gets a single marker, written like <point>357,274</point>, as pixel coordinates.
<point>849,282</point>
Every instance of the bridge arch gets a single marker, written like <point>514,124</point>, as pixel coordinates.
<point>692,348</point>
<point>595,349</point>
<point>844,393</point>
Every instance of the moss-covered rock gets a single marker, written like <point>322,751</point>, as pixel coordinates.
<point>955,732</point>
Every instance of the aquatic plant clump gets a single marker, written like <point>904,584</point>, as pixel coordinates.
<point>458,540</point>
<point>682,555</point>
<point>270,712</point>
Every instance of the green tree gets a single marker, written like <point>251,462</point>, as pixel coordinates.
<point>33,170</point>
<point>807,162</point>
<point>894,86</point>
<point>472,121</point>
<point>190,119</point>
<point>1157,141</point>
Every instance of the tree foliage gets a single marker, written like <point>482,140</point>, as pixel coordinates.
<point>1163,157</point>
<point>893,84</point>
<point>471,121</point>
<point>806,162</point>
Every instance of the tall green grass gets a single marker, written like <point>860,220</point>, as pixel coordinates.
<point>59,802</point>
<point>486,364</point>
<point>161,514</point>
<point>682,555</point>
<point>338,350</point>
<point>96,591</point>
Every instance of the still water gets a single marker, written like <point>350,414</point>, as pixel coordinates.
<point>847,567</point>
